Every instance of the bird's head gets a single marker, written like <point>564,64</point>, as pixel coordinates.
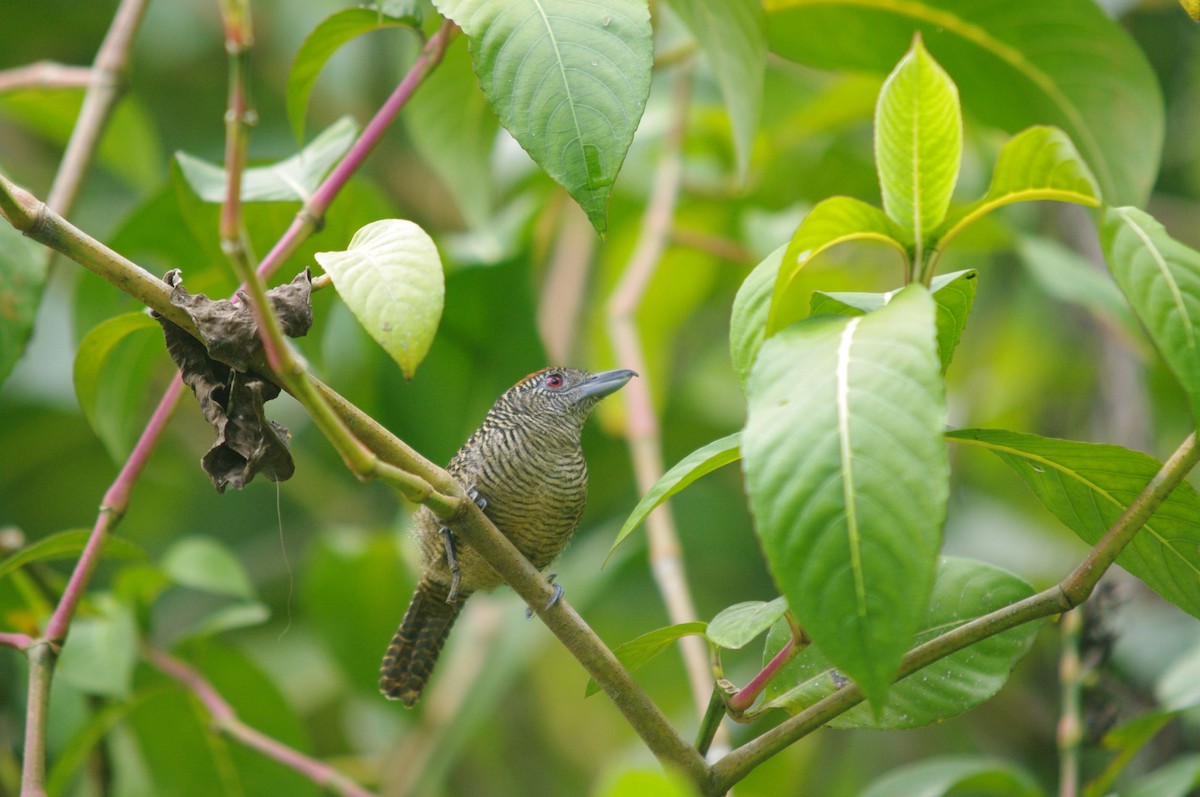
<point>563,393</point>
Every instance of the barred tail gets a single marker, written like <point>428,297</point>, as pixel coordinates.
<point>415,647</point>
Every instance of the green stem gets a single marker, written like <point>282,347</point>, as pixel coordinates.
<point>1070,723</point>
<point>711,720</point>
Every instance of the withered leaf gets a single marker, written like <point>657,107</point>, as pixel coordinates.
<point>231,393</point>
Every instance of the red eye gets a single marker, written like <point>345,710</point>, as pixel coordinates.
<point>554,381</point>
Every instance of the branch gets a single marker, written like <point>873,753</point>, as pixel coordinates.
<point>1066,595</point>
<point>226,721</point>
<point>644,435</point>
<point>44,75</point>
<point>16,641</point>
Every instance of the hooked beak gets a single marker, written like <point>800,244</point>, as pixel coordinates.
<point>606,382</point>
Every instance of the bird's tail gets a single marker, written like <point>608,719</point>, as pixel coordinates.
<point>415,647</point>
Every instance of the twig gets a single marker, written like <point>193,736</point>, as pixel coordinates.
<point>226,721</point>
<point>44,75</point>
<point>1070,723</point>
<point>239,116</point>
<point>644,435</point>
<point>105,88</point>
<point>16,640</point>
<point>1066,595</point>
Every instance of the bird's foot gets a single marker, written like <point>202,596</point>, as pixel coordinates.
<point>473,494</point>
<point>452,563</point>
<point>554,598</point>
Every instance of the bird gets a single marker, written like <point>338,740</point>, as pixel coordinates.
<point>524,467</point>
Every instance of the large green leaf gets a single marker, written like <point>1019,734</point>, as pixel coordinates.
<point>734,39</point>
<point>106,391</point>
<point>1178,778</point>
<point>22,276</point>
<point>945,775</point>
<point>391,279</point>
<point>1088,486</point>
<point>1037,163</point>
<point>453,128</point>
<point>848,478</point>
<point>831,222</point>
<point>918,145</point>
<point>1016,63</point>
<point>326,39</point>
<point>954,294</point>
<point>700,462</point>
<point>290,180</point>
<point>568,78</point>
<point>964,590</point>
<point>1161,279</point>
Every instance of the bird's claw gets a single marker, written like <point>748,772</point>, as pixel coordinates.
<point>473,494</point>
<point>554,598</point>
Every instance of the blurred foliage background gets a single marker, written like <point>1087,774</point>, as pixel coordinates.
<point>286,597</point>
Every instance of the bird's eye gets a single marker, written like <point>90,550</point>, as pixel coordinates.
<point>554,380</point>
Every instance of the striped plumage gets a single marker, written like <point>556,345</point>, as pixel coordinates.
<point>525,461</point>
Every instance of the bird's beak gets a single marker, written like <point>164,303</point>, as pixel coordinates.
<point>605,382</point>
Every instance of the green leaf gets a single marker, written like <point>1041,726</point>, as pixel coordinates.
<point>391,279</point>
<point>735,626</point>
<point>1017,63</point>
<point>918,145</point>
<point>243,614</point>
<point>748,320</point>
<point>568,79</point>
<point>642,649</point>
<point>943,775</point>
<point>832,221</point>
<point>700,462</point>
<point>1179,687</point>
<point>1088,486</point>
<point>74,755</point>
<point>67,545</point>
<point>22,277</point>
<point>326,39</point>
<point>291,180</point>
<point>734,39</point>
<point>1177,778</point>
<point>454,130</point>
<point>97,377</point>
<point>848,478</point>
<point>954,294</point>
<point>1037,163</point>
<point>1161,279</point>
<point>205,564</point>
<point>1126,741</point>
<point>100,653</point>
<point>964,590</point>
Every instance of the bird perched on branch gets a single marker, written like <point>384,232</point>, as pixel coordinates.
<point>525,468</point>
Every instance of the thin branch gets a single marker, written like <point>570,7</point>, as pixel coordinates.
<point>226,721</point>
<point>1070,723</point>
<point>44,75</point>
<point>1066,595</point>
<point>644,435</point>
<point>239,117</point>
<point>107,85</point>
<point>16,641</point>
